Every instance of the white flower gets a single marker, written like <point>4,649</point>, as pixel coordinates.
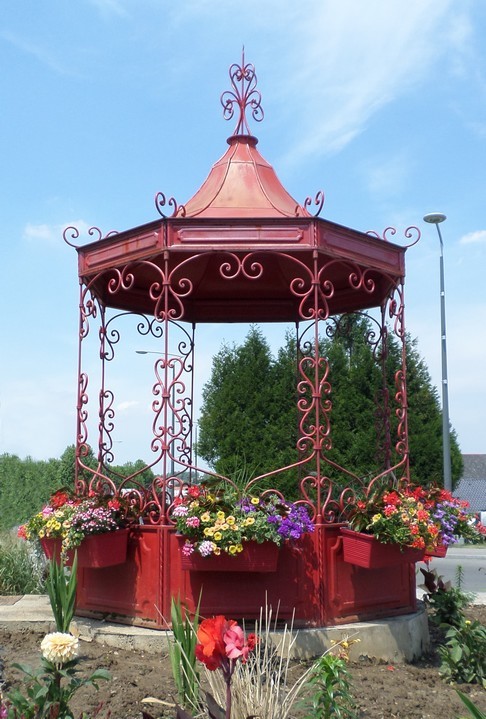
<point>59,648</point>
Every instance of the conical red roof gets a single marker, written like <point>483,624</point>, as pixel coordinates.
<point>243,184</point>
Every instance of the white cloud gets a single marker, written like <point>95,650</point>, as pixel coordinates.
<point>52,235</point>
<point>478,237</point>
<point>356,58</point>
<point>128,404</point>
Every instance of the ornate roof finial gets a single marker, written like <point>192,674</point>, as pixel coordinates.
<point>244,94</point>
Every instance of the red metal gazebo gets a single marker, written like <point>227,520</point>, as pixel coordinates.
<point>240,250</point>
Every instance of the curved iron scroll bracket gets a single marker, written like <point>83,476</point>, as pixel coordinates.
<point>411,232</point>
<point>318,201</point>
<point>160,202</point>
<point>95,233</point>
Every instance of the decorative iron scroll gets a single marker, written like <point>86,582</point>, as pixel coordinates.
<point>244,94</point>
<point>318,201</point>
<point>160,202</point>
<point>95,233</point>
<point>411,233</point>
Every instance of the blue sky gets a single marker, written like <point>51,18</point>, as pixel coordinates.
<point>382,104</point>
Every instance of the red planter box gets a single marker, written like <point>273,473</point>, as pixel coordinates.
<point>94,552</point>
<point>364,550</point>
<point>255,557</point>
<point>439,551</point>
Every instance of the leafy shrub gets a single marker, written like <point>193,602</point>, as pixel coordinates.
<point>22,568</point>
<point>463,656</point>
<point>447,602</point>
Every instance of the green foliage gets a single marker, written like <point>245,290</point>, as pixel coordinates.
<point>463,656</point>
<point>61,589</point>
<point>425,425</point>
<point>474,711</point>
<point>21,569</point>
<point>249,415</point>
<point>329,689</point>
<point>182,655</point>
<point>46,692</point>
<point>447,602</point>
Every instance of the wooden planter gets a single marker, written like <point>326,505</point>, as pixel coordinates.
<point>95,551</point>
<point>364,550</point>
<point>255,557</point>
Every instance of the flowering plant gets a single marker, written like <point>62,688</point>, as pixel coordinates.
<point>220,520</point>
<point>412,516</point>
<point>46,692</point>
<point>72,518</point>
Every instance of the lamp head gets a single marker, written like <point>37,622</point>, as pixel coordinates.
<point>435,218</point>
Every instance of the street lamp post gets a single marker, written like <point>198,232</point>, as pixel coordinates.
<point>435,218</point>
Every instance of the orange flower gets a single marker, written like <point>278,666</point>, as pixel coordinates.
<point>211,649</point>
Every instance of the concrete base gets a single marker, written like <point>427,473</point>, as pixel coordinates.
<point>396,640</point>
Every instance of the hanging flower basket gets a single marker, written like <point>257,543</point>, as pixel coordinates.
<point>255,557</point>
<point>95,551</point>
<point>364,550</point>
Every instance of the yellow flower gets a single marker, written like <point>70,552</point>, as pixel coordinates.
<point>232,549</point>
<point>216,549</point>
<point>225,526</point>
<point>248,521</point>
<point>59,648</point>
<point>239,548</point>
<point>217,536</point>
<point>375,518</point>
<point>230,519</point>
<point>209,531</point>
<point>206,517</point>
<point>221,516</point>
<point>255,500</point>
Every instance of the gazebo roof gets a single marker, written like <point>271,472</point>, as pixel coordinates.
<point>242,214</point>
<point>243,184</point>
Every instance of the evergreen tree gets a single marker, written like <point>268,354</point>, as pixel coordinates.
<point>249,417</point>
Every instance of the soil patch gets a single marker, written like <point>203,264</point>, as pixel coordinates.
<point>407,691</point>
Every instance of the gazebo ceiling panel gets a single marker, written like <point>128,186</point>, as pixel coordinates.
<point>217,286</point>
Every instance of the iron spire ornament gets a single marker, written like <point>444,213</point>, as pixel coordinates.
<point>244,95</point>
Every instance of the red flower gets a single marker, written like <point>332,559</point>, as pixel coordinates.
<point>194,492</point>
<point>221,643</point>
<point>21,532</point>
<point>391,498</point>
<point>114,504</point>
<point>59,499</point>
<point>211,649</point>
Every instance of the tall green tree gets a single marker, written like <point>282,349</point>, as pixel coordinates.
<point>249,416</point>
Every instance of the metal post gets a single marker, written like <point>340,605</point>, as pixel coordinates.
<point>436,218</point>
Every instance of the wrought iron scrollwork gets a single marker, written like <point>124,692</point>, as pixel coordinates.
<point>160,202</point>
<point>318,201</point>
<point>244,94</point>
